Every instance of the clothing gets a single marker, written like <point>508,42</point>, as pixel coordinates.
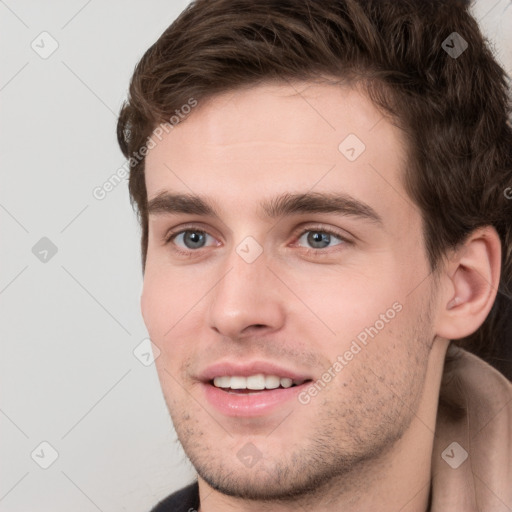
<point>184,500</point>
<point>475,410</point>
<point>475,418</point>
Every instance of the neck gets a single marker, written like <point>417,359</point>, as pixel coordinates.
<point>399,479</point>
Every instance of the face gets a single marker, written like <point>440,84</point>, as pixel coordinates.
<point>303,267</point>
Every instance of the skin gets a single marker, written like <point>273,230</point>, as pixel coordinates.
<point>365,441</point>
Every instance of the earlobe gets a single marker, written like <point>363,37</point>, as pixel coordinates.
<point>469,284</point>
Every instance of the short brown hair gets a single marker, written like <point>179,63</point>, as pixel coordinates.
<point>453,110</point>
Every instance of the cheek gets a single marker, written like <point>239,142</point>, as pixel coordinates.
<point>161,304</point>
<point>151,304</point>
<point>348,300</point>
<point>171,309</point>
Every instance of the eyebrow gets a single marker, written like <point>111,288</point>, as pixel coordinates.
<point>285,204</point>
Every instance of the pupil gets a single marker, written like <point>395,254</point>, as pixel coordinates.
<point>318,237</point>
<point>194,237</point>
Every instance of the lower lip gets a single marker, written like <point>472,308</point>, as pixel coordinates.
<point>247,405</point>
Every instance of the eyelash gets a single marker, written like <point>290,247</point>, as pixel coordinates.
<point>311,252</point>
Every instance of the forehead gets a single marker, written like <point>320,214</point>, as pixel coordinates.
<point>290,134</point>
<point>287,113</point>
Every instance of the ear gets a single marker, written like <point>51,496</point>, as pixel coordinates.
<point>469,284</point>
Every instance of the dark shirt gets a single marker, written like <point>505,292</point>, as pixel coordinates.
<point>184,500</point>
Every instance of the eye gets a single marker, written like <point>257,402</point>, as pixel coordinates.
<point>192,239</point>
<point>188,241</point>
<point>320,238</point>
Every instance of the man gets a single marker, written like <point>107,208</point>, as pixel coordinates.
<point>326,245</point>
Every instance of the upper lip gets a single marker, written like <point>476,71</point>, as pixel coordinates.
<point>223,368</point>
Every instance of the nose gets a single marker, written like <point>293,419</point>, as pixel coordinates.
<point>247,298</point>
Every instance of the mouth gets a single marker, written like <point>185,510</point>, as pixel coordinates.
<point>251,388</point>
<point>257,395</point>
<point>254,384</point>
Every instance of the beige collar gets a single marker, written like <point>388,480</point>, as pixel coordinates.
<point>472,455</point>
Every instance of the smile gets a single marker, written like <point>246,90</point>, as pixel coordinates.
<point>255,382</point>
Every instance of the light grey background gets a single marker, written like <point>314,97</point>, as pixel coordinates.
<point>70,323</point>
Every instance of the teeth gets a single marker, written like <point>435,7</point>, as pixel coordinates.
<point>255,382</point>
<point>272,382</point>
<point>286,383</point>
<point>222,382</point>
<point>238,383</point>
